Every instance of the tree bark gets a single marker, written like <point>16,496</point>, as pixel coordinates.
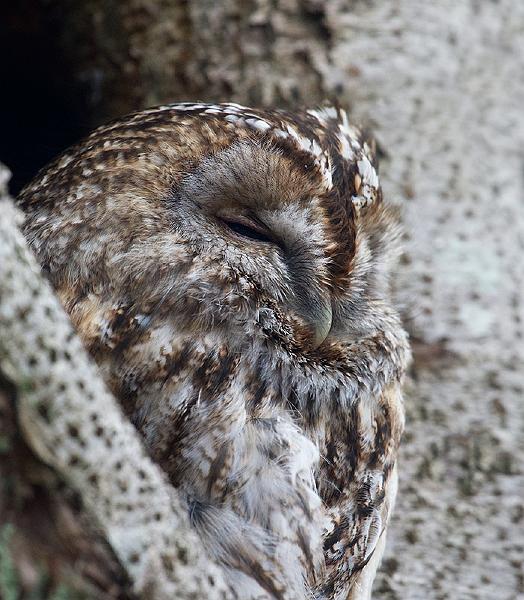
<point>69,420</point>
<point>441,85</point>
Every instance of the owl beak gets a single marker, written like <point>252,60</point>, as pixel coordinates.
<point>315,309</point>
<point>311,299</point>
<point>321,324</point>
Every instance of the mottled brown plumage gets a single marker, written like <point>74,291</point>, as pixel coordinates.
<point>228,269</point>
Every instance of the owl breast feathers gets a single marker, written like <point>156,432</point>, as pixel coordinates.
<point>228,269</point>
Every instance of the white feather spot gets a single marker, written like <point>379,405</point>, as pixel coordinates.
<point>345,147</point>
<point>367,172</point>
<point>258,124</point>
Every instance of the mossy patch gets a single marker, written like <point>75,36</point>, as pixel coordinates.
<point>9,583</point>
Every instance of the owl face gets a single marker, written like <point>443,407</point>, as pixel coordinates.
<point>259,215</point>
<point>232,218</point>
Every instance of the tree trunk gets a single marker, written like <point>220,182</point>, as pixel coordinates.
<point>441,83</point>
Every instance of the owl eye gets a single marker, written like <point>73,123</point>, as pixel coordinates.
<point>248,229</point>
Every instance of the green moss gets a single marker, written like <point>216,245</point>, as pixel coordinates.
<point>5,444</point>
<point>38,591</point>
<point>10,588</point>
<point>9,584</point>
<point>62,592</point>
<point>25,386</point>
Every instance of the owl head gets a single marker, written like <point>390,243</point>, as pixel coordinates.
<point>259,225</point>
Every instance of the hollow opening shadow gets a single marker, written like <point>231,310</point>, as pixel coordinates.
<point>42,107</point>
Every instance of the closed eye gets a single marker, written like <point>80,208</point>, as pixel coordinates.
<point>248,229</point>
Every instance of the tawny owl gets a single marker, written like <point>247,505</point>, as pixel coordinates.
<point>228,268</point>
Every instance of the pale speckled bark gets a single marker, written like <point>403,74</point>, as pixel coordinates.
<point>73,424</point>
<point>442,85</point>
<point>49,544</point>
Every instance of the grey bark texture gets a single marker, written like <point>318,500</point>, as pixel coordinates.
<point>442,86</point>
<point>72,423</point>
